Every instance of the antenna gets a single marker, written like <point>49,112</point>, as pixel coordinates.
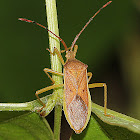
<point>30,21</point>
<point>77,36</point>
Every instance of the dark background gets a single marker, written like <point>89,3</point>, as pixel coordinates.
<point>110,46</point>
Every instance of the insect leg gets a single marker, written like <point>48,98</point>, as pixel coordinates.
<point>105,94</point>
<point>44,90</point>
<point>58,54</point>
<point>62,51</point>
<point>90,76</point>
<point>75,49</point>
<point>46,70</point>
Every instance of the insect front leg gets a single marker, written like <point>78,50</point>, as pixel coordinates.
<point>46,70</point>
<point>75,49</point>
<point>58,54</point>
<point>62,51</point>
<point>94,85</point>
<point>44,90</point>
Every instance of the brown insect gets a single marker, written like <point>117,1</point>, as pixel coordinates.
<point>76,99</point>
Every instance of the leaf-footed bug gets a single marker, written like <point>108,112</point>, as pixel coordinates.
<point>76,98</point>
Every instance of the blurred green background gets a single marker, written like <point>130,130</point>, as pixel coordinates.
<point>110,46</point>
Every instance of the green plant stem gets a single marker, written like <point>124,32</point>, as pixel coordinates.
<point>16,106</point>
<point>55,62</point>
<point>57,120</point>
<point>30,106</point>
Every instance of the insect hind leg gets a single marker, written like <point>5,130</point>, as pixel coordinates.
<point>94,85</point>
<point>90,76</point>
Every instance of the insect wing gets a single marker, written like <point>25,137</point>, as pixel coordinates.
<point>77,100</point>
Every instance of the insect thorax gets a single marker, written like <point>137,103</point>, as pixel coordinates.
<point>74,64</point>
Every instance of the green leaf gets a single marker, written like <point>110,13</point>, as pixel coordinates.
<point>27,126</point>
<point>117,132</point>
<point>118,119</point>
